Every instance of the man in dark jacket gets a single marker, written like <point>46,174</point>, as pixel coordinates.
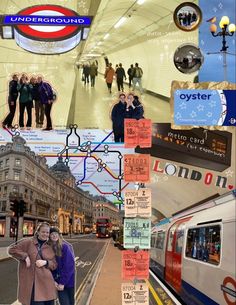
<point>93,73</point>
<point>131,74</point>
<point>86,72</point>
<point>118,116</point>
<point>120,75</point>
<point>46,98</point>
<point>12,97</point>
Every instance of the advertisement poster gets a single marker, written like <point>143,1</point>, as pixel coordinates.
<point>117,119</point>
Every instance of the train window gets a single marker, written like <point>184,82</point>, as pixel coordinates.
<point>160,240</point>
<point>203,243</point>
<point>153,239</point>
<point>179,239</point>
<point>170,238</point>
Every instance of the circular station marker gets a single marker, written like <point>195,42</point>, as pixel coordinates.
<point>47,39</point>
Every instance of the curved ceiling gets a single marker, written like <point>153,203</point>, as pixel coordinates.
<point>140,22</point>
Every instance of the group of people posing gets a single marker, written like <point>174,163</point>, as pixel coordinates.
<point>32,93</point>
<point>46,268</point>
<point>135,74</point>
<point>128,107</point>
<point>187,18</point>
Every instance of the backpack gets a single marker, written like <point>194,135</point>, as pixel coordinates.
<point>138,72</point>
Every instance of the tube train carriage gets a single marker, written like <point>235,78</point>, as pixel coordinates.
<point>194,252</point>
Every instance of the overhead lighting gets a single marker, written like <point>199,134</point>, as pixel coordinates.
<point>140,2</point>
<point>120,22</point>
<point>106,36</point>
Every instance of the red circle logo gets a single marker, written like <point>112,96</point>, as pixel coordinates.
<point>47,32</point>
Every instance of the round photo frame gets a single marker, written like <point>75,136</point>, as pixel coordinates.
<point>188,58</point>
<point>187,16</point>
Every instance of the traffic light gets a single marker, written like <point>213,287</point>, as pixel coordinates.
<point>15,207</point>
<point>22,208</point>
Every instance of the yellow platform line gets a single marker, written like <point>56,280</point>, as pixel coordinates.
<point>154,294</point>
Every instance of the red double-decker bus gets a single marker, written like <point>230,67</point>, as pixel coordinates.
<point>103,227</point>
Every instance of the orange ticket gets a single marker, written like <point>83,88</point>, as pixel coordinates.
<point>138,133</point>
<point>135,265</point>
<point>137,168</point>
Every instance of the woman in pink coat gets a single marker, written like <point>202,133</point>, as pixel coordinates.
<point>36,260</point>
<point>109,74</point>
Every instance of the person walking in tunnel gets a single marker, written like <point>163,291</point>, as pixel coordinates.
<point>64,275</point>
<point>12,97</point>
<point>93,73</point>
<point>120,76</point>
<point>86,72</point>
<point>130,72</point>
<point>117,116</point>
<point>137,77</point>
<point>109,74</point>
<point>36,261</point>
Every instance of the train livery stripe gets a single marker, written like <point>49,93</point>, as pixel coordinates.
<point>192,296</point>
<point>153,292</point>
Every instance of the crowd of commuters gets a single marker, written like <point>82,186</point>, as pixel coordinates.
<point>89,71</point>
<point>135,73</point>
<point>46,268</point>
<point>127,107</point>
<point>32,92</point>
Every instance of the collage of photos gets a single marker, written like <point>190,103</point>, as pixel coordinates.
<point>117,152</point>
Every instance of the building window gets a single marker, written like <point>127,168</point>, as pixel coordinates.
<point>17,176</point>
<point>7,162</point>
<point>17,162</point>
<point>6,175</point>
<point>1,164</point>
<point>15,189</point>
<point>204,244</point>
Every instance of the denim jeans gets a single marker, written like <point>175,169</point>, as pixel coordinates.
<point>66,297</point>
<point>139,81</point>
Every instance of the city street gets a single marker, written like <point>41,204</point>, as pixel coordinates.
<point>87,249</point>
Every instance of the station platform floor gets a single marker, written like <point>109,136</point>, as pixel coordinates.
<point>91,106</point>
<point>107,290</point>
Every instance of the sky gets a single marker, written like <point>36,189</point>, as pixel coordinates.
<point>212,68</point>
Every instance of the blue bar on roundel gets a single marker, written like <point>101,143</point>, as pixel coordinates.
<point>47,20</point>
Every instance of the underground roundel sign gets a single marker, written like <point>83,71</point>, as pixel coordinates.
<point>48,29</point>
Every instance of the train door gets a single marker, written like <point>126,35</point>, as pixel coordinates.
<point>174,254</point>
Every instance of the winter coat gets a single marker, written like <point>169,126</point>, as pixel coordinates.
<point>93,70</point>
<point>13,92</point>
<point>45,92</point>
<point>41,278</point>
<point>109,74</point>
<point>120,73</point>
<point>65,272</point>
<point>118,116</point>
<point>25,93</point>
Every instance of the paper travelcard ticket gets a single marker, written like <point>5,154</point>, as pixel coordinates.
<point>205,107</point>
<point>135,265</point>
<point>138,203</point>
<point>135,294</point>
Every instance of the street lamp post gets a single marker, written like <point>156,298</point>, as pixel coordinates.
<point>226,30</point>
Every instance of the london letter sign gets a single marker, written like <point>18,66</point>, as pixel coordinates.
<point>46,29</point>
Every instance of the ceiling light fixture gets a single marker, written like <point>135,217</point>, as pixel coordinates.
<point>120,22</point>
<point>140,2</point>
<point>106,36</point>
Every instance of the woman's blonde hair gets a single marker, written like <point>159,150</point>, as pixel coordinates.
<point>40,225</point>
